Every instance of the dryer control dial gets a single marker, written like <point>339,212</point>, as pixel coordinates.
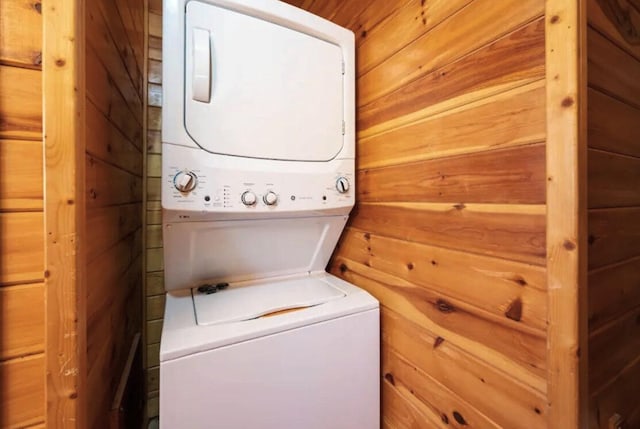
<point>342,185</point>
<point>270,198</point>
<point>185,181</point>
<point>248,198</point>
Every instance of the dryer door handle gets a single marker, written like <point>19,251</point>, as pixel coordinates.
<point>201,78</point>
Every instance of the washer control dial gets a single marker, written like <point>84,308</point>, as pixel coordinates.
<point>248,198</point>
<point>185,181</point>
<point>270,198</point>
<point>342,185</point>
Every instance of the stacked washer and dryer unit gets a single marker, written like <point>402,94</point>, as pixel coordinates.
<point>258,148</point>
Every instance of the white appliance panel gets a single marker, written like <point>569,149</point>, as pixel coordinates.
<point>231,251</point>
<point>322,376</point>
<point>240,303</point>
<point>259,89</point>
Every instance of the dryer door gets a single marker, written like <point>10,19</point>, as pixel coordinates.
<point>261,90</point>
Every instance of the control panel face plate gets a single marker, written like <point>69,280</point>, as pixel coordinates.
<point>238,185</point>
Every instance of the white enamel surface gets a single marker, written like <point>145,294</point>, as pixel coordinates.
<point>201,64</point>
<point>277,93</point>
<point>240,303</point>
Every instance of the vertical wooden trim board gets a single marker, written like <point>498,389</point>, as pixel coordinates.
<point>565,30</point>
<point>63,70</point>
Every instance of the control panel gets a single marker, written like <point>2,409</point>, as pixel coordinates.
<point>192,183</point>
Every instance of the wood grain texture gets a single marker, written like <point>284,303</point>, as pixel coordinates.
<point>620,81</point>
<point>487,71</point>
<point>107,185</point>
<point>614,180</point>
<point>21,247</point>
<point>22,395</point>
<point>485,19</point>
<point>64,96</point>
<point>492,392</point>
<point>506,176</point>
<point>21,320</point>
<point>613,290</point>
<point>566,68</point>
<point>106,226</point>
<point>22,188</point>
<point>20,105</point>
<point>515,233</point>
<point>614,235</point>
<point>613,125</point>
<point>509,119</point>
<point>21,29</point>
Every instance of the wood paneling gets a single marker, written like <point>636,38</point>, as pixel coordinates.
<point>20,105</point>
<point>113,188</point>
<point>21,320</point>
<point>21,29</point>
<point>21,247</point>
<point>614,201</point>
<point>22,270</point>
<point>22,391</point>
<point>21,188</point>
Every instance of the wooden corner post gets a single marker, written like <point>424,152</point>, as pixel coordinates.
<point>565,29</point>
<point>63,75</point>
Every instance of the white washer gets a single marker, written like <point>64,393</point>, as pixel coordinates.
<point>258,181</point>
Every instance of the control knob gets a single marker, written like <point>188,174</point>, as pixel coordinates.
<point>270,198</point>
<point>185,181</point>
<point>342,185</point>
<point>248,198</point>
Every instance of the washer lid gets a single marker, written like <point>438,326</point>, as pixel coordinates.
<point>240,303</point>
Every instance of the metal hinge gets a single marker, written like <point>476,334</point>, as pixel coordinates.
<point>344,126</point>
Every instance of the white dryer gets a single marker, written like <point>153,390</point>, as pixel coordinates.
<point>258,181</point>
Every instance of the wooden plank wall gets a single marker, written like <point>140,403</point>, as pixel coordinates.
<point>154,283</point>
<point>22,312</point>
<point>114,147</point>
<point>449,229</point>
<point>614,210</point>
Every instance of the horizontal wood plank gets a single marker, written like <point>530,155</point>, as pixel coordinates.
<point>448,407</point>
<point>512,118</point>
<point>155,259</point>
<point>620,81</point>
<point>612,347</point>
<point>21,320</point>
<point>107,185</point>
<point>155,48</point>
<point>525,351</point>
<point>614,180</point>
<point>22,391</point>
<point>487,71</point>
<point>154,236</point>
<point>155,72</point>
<point>155,283</point>
<point>109,144</point>
<point>401,407</point>
<point>618,397</point>
<point>154,331</point>
<point>619,21</point>
<point>415,18</point>
<point>154,95</point>
<point>504,176</point>
<point>21,247</point>
<point>613,290</point>
<point>613,125</point>
<point>493,230</point>
<point>103,91</point>
<point>21,30</point>
<point>21,187</point>
<point>154,142</point>
<point>498,286</point>
<point>154,165</point>
<point>614,235</point>
<point>106,226</point>
<point>494,393</point>
<point>485,19</point>
<point>20,105</point>
<point>155,25</point>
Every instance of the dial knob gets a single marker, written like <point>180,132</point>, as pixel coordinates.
<point>270,198</point>
<point>342,185</point>
<point>248,198</point>
<point>185,181</point>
